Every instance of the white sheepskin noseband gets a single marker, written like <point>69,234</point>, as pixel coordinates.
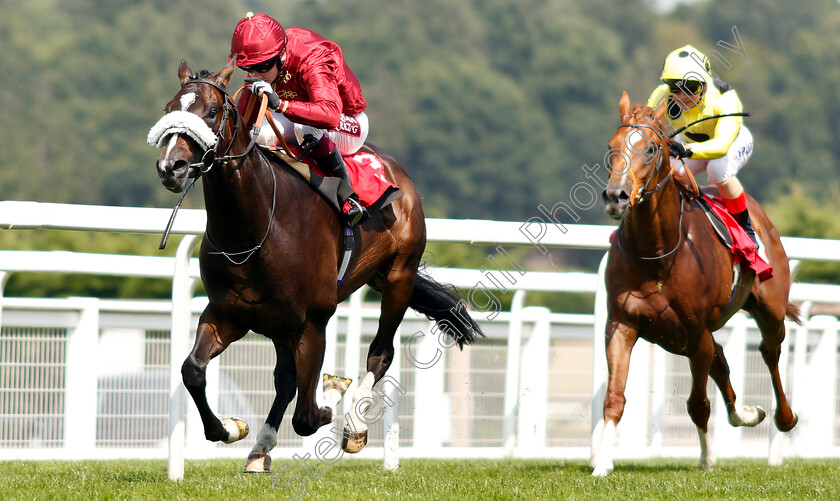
<point>182,122</point>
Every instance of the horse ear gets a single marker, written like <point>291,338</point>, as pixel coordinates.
<point>223,77</point>
<point>623,105</point>
<point>184,71</point>
<point>659,114</point>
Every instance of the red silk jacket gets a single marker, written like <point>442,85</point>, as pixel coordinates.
<point>316,85</point>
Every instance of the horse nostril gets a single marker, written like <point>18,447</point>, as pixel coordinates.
<point>179,165</point>
<point>622,196</point>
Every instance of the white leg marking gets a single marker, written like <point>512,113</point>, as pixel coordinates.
<point>707,457</point>
<point>604,461</point>
<point>331,398</point>
<point>266,439</point>
<point>258,460</point>
<point>363,391</point>
<point>597,436</point>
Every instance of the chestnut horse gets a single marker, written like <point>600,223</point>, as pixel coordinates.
<point>269,263</point>
<point>671,281</point>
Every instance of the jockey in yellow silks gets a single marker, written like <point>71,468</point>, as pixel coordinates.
<point>720,146</point>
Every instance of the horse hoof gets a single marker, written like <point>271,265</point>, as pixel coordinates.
<point>258,463</point>
<point>353,442</point>
<point>237,429</point>
<point>336,383</point>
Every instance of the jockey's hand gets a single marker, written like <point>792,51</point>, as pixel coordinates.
<point>678,150</point>
<point>260,87</point>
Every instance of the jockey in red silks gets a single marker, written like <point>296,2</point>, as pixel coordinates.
<point>720,146</point>
<point>316,98</point>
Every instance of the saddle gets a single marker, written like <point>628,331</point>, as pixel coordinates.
<point>732,235</point>
<point>374,190</point>
<point>363,168</point>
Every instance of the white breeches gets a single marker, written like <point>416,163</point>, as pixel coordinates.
<point>348,138</point>
<point>719,169</point>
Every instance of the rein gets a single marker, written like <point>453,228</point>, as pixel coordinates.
<point>653,258</point>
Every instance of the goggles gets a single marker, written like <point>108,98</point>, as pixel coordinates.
<point>262,67</point>
<point>687,86</point>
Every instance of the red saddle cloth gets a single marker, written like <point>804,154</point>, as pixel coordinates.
<point>367,176</point>
<point>743,249</point>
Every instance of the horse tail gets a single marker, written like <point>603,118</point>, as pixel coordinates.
<point>441,303</point>
<point>792,312</point>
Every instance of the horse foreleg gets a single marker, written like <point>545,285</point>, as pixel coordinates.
<point>285,386</point>
<point>396,295</point>
<point>212,337</point>
<point>699,408</point>
<point>746,415</point>
<point>620,342</point>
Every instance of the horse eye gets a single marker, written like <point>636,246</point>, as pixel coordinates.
<point>651,150</point>
<point>213,112</point>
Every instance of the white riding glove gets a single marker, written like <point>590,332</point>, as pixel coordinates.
<point>260,87</point>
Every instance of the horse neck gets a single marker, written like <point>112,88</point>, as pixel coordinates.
<point>652,227</point>
<point>238,197</point>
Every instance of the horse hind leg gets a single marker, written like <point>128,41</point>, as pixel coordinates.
<point>747,415</point>
<point>772,334</point>
<point>396,290</point>
<point>699,408</point>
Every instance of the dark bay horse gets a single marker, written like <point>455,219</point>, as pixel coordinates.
<point>269,263</point>
<point>670,281</point>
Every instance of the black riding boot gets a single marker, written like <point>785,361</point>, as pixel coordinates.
<point>332,163</point>
<point>743,219</point>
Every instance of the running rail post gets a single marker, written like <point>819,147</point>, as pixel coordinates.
<point>182,288</point>
<point>511,400</point>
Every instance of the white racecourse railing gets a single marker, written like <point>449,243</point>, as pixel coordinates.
<point>92,378</point>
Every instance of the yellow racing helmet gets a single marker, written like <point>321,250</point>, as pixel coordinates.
<point>686,64</point>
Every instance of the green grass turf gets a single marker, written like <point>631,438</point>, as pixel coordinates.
<point>673,480</point>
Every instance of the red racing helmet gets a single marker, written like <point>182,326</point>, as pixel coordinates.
<point>257,38</point>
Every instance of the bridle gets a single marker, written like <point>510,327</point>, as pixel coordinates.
<point>211,158</point>
<point>642,192</point>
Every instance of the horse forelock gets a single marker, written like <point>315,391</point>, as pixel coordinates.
<point>638,113</point>
<point>201,74</point>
